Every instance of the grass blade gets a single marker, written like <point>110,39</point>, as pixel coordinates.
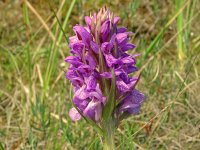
<point>179,25</point>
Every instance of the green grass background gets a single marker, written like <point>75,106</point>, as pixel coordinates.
<point>35,97</point>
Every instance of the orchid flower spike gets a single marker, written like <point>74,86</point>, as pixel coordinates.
<point>100,70</point>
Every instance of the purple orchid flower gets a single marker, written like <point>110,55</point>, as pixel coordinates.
<point>99,49</point>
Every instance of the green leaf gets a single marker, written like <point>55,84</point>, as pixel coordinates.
<point>1,146</point>
<point>103,69</point>
<point>110,104</point>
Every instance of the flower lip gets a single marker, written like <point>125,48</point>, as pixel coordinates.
<point>121,30</point>
<point>74,60</point>
<point>106,47</point>
<point>132,102</point>
<point>82,34</point>
<point>74,114</point>
<point>128,47</point>
<point>122,38</point>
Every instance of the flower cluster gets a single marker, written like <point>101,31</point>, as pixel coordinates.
<point>100,50</point>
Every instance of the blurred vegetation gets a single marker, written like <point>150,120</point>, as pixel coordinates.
<point>35,97</point>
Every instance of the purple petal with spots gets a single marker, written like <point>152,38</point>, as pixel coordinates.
<point>122,86</point>
<point>82,34</point>
<point>106,47</point>
<point>132,102</point>
<point>91,62</point>
<point>91,83</point>
<point>110,60</point>
<point>77,48</point>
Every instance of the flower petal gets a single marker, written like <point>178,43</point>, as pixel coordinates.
<point>82,34</point>
<point>94,47</point>
<point>91,83</point>
<point>77,81</point>
<point>81,104</point>
<point>122,86</point>
<point>128,46</point>
<point>106,47</point>
<point>73,40</point>
<point>128,60</point>
<point>122,38</point>
<point>108,75</point>
<point>132,102</point>
<point>90,61</point>
<point>85,70</point>
<point>81,93</point>
<point>77,48</point>
<point>116,20</point>
<point>105,30</point>
<point>137,97</point>
<point>74,114</point>
<point>121,30</point>
<point>131,69</point>
<point>74,60</point>
<point>88,21</point>
<point>110,60</point>
<point>93,110</point>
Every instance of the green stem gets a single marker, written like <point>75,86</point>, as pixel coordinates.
<point>108,141</point>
